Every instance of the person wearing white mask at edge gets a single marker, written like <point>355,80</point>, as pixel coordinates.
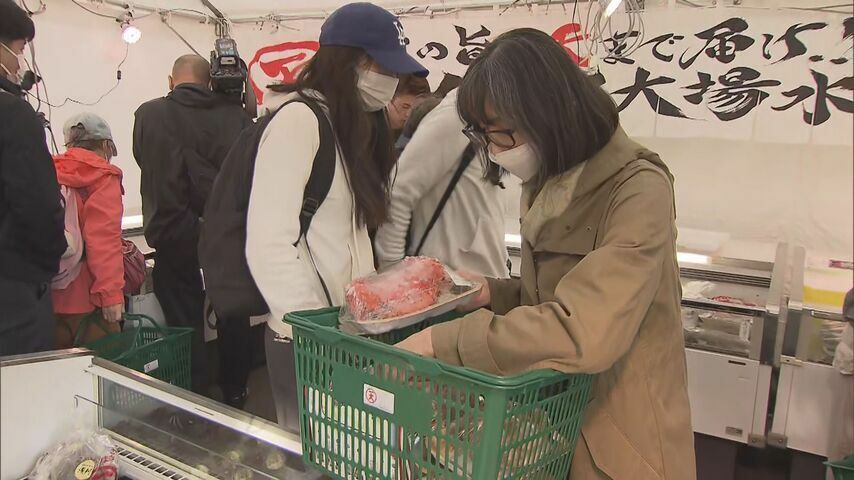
<point>353,76</point>
<point>466,232</point>
<point>32,219</point>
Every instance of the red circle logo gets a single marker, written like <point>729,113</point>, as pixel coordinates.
<point>370,396</point>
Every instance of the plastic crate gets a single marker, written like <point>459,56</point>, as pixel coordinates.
<point>161,352</point>
<point>843,469</point>
<point>371,411</point>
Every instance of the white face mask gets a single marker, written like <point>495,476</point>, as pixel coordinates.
<point>18,76</point>
<point>376,89</point>
<point>521,161</point>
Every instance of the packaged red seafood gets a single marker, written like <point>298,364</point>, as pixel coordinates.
<point>411,291</point>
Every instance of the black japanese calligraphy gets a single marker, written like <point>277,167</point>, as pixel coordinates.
<point>475,43</point>
<point>729,45</point>
<point>848,28</point>
<point>644,85</point>
<point>847,37</point>
<point>723,42</point>
<point>434,50</point>
<point>794,46</point>
<point>657,42</point>
<point>616,47</point>
<point>739,93</point>
<point>821,96</point>
<point>702,87</point>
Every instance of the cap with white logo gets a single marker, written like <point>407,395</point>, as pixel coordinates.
<point>374,30</point>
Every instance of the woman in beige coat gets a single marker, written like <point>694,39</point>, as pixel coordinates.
<point>599,290</point>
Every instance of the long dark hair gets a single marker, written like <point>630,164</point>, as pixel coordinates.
<point>363,136</point>
<point>535,87</point>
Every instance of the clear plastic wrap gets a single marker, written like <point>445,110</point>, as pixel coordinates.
<point>717,330</point>
<point>85,455</point>
<point>412,285</point>
<point>414,290</point>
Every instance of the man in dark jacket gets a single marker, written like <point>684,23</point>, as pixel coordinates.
<point>180,142</point>
<point>32,220</point>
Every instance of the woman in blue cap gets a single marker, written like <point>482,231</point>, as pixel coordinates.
<point>353,77</point>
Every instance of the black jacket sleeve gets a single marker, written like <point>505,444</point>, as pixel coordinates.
<point>137,139</point>
<point>31,192</point>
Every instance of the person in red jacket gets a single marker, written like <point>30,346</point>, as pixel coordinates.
<point>86,170</point>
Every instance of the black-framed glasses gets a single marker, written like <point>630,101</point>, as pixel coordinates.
<point>482,138</point>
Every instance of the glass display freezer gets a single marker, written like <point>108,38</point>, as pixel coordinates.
<point>160,431</point>
<point>810,395</point>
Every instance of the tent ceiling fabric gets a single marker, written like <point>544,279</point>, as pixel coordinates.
<point>242,8</point>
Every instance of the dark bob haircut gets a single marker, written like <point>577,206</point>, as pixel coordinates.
<point>15,24</point>
<point>535,88</point>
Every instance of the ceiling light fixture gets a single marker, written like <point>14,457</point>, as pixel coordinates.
<point>130,34</point>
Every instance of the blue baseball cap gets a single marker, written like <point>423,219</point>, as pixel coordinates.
<point>376,31</point>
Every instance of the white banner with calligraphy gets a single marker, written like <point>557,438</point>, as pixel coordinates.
<point>753,109</point>
<point>737,73</point>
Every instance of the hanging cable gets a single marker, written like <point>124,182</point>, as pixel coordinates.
<point>96,102</point>
<point>42,84</point>
<point>42,7</point>
<point>45,118</point>
<point>603,23</point>
<point>153,11</point>
<point>92,11</point>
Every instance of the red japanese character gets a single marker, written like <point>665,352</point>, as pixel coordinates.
<point>568,34</point>
<point>280,63</point>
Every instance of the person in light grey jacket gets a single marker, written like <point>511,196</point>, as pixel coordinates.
<point>469,233</point>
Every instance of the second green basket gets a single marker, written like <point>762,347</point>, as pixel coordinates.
<point>161,352</point>
<point>372,411</point>
<point>843,469</point>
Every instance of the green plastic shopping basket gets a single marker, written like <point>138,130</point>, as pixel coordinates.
<point>843,469</point>
<point>371,411</point>
<point>162,352</point>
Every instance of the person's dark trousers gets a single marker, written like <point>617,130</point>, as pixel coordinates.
<point>234,340</point>
<point>281,366</point>
<point>178,287</point>
<point>27,324</point>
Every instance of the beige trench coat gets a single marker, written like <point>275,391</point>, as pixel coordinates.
<point>599,293</point>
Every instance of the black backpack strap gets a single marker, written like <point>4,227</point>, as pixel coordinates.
<point>322,171</point>
<point>468,156</point>
<point>319,180</point>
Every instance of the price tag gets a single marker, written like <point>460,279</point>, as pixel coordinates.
<point>378,398</point>
<point>84,470</point>
<point>151,366</point>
